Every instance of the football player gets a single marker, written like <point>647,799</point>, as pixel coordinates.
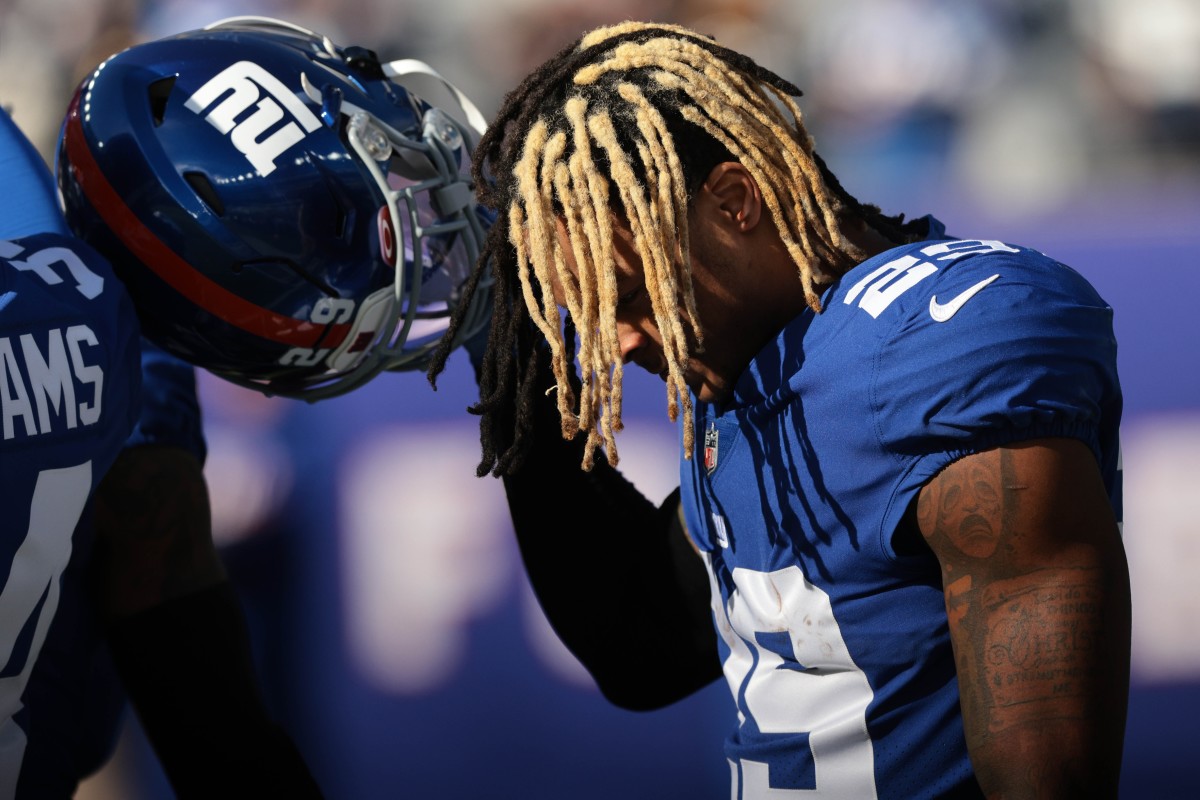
<point>263,204</point>
<point>900,476</point>
<point>69,397</point>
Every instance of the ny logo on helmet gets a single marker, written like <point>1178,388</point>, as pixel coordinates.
<point>240,86</point>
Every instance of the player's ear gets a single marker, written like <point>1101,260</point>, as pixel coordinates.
<point>732,194</point>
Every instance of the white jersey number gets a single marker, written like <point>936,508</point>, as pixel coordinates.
<point>822,692</point>
<point>876,291</point>
<point>30,598</point>
<point>42,263</point>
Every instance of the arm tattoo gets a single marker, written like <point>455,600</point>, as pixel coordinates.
<point>1025,626</point>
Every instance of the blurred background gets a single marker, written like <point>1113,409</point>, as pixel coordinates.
<point>395,631</point>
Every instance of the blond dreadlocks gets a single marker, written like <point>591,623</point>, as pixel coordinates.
<point>630,119</point>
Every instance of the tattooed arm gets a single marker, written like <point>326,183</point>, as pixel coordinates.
<point>178,637</point>
<point>1037,593</point>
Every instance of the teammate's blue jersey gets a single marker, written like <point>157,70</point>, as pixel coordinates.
<point>69,397</point>
<point>70,703</point>
<point>836,646</point>
<point>74,699</point>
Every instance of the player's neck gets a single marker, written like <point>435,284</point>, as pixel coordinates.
<point>859,233</point>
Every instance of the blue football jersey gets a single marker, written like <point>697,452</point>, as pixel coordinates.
<point>74,699</point>
<point>835,643</point>
<point>69,397</point>
<point>70,709</point>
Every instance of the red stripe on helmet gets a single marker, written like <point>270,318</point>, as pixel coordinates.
<point>174,270</point>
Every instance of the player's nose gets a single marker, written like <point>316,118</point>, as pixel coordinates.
<point>637,347</point>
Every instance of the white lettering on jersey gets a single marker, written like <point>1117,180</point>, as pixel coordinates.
<point>949,251</point>
<point>888,282</point>
<point>883,285</point>
<point>240,86</point>
<point>14,397</point>
<point>84,372</point>
<point>41,389</point>
<point>50,379</point>
<point>812,686</point>
<point>89,284</point>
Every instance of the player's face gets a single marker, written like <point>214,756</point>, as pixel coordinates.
<point>710,374</point>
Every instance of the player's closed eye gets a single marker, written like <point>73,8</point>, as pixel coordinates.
<point>631,296</point>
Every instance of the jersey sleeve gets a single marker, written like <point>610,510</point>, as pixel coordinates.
<point>170,410</point>
<point>1031,353</point>
<point>29,203</point>
<point>1001,347</point>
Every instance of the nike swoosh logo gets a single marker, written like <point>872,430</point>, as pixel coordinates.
<point>944,311</point>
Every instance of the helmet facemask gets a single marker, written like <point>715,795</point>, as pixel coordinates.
<point>430,233</point>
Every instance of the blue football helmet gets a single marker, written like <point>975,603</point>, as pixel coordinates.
<point>283,211</point>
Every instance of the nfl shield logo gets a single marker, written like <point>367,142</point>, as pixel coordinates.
<point>710,448</point>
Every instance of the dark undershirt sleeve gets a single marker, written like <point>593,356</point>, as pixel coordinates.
<point>614,573</point>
